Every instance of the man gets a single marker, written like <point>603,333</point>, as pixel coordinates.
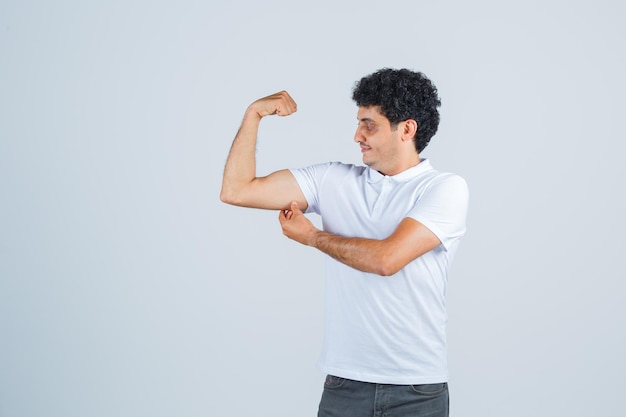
<point>390,228</point>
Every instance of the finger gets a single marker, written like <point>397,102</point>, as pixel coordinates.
<point>284,110</point>
<point>293,107</point>
<point>286,104</point>
<point>295,208</point>
<point>285,214</point>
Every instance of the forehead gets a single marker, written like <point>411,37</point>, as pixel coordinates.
<point>371,113</point>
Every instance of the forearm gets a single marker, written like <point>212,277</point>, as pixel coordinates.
<point>368,255</point>
<point>240,169</point>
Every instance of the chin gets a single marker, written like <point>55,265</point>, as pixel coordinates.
<point>369,163</point>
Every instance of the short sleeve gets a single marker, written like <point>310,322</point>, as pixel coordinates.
<point>309,179</point>
<point>312,180</point>
<point>443,208</point>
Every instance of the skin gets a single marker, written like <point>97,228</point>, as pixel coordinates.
<point>240,185</point>
<point>386,148</point>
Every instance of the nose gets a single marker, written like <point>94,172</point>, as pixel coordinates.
<point>358,136</point>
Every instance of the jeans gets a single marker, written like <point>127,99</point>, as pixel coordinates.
<point>346,398</point>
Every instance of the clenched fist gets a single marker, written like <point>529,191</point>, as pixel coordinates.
<point>280,104</point>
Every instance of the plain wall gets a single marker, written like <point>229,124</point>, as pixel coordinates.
<point>128,289</point>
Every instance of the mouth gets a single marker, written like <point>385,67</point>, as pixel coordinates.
<point>364,147</point>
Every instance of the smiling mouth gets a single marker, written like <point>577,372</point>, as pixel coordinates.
<point>364,148</point>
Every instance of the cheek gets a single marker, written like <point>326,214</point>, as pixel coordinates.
<point>370,133</point>
<point>362,132</point>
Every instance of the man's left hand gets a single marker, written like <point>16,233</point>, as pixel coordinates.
<point>296,226</point>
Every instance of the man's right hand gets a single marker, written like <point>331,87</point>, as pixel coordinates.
<point>280,104</point>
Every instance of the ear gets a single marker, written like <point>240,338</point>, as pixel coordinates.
<point>409,129</point>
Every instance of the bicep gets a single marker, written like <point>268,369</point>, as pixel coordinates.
<point>275,192</point>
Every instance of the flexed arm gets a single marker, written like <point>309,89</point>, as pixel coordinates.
<point>240,185</point>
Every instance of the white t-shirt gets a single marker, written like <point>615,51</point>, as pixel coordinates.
<point>388,330</point>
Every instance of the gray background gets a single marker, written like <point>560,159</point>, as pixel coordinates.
<point>128,289</point>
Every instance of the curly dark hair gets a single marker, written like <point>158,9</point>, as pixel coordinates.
<point>402,94</point>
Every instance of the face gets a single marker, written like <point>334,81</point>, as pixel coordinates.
<point>380,143</point>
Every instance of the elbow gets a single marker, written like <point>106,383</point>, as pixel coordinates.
<point>236,194</point>
<point>236,198</point>
<point>225,197</point>
<point>385,271</point>
<point>386,266</point>
<point>228,197</point>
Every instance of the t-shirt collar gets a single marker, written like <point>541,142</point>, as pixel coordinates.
<point>374,176</point>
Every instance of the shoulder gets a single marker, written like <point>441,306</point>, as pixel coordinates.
<point>436,178</point>
<point>449,179</point>
<point>442,186</point>
<point>447,188</point>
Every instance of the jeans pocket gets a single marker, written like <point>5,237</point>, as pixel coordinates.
<point>430,389</point>
<point>333,382</point>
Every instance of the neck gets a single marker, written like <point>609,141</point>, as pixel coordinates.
<point>402,166</point>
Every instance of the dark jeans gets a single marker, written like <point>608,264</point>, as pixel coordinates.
<point>347,398</point>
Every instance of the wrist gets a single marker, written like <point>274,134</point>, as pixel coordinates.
<point>251,115</point>
<point>316,235</point>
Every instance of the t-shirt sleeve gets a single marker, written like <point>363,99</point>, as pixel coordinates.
<point>310,179</point>
<point>443,208</point>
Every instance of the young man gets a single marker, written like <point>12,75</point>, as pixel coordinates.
<point>391,229</point>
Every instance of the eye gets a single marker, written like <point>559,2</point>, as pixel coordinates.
<point>369,126</point>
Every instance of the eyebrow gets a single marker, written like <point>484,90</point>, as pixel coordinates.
<point>366,119</point>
